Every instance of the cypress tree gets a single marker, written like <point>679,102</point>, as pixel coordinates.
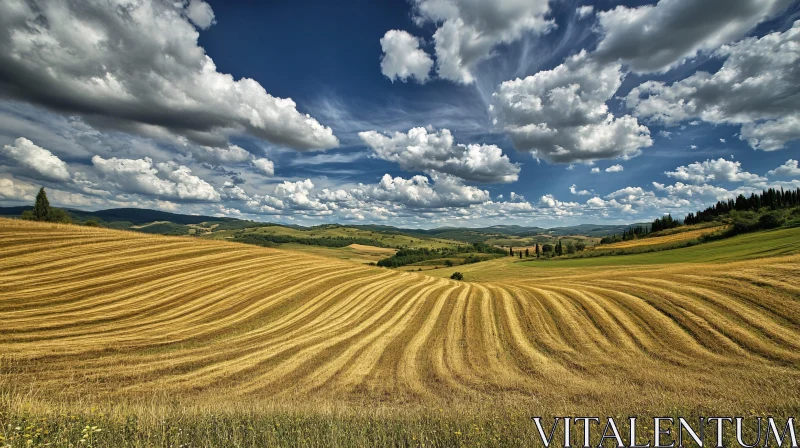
<point>527,254</point>
<point>537,250</point>
<point>41,208</point>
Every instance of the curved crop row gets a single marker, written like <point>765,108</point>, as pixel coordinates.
<point>97,313</point>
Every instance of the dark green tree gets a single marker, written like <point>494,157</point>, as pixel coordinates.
<point>511,251</point>
<point>537,250</point>
<point>527,254</point>
<point>41,208</point>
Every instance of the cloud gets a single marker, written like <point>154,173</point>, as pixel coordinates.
<point>584,11</point>
<point>263,165</point>
<point>758,86</point>
<point>549,201</point>
<point>231,154</point>
<point>391,197</point>
<point>421,150</point>
<point>11,191</point>
<point>719,170</point>
<point>656,38</point>
<point>137,67</point>
<point>615,169</point>
<point>595,170</point>
<point>200,13</point>
<point>561,115</point>
<point>789,168</point>
<point>324,159</point>
<point>35,161</point>
<point>297,196</point>
<point>574,190</point>
<point>772,135</point>
<point>165,180</point>
<point>419,192</point>
<point>403,59</point>
<point>468,30</point>
<point>702,193</point>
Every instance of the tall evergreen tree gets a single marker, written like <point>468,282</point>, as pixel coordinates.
<point>537,249</point>
<point>41,208</point>
<point>511,251</point>
<point>527,254</point>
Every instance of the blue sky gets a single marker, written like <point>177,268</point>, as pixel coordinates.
<point>415,113</point>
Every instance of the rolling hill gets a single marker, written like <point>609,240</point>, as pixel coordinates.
<point>99,316</point>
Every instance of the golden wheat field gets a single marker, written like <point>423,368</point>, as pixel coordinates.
<point>664,239</point>
<point>93,315</point>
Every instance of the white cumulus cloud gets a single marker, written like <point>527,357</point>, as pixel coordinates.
<point>264,165</point>
<point>719,170</point>
<point>167,180</point>
<point>403,59</point>
<point>561,115</point>
<point>789,168</point>
<point>468,30</point>
<point>35,161</point>
<point>200,13</point>
<point>421,150</point>
<point>136,66</point>
<point>757,86</point>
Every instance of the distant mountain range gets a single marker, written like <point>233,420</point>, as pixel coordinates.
<point>126,218</point>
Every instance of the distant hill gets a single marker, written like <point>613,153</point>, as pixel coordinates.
<point>175,224</point>
<point>136,216</point>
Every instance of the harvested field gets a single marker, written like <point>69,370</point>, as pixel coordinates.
<point>93,316</point>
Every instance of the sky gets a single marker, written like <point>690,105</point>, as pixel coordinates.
<point>413,113</point>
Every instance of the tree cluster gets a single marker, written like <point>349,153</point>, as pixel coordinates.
<point>43,212</point>
<point>633,233</point>
<point>664,223</point>
<point>404,257</point>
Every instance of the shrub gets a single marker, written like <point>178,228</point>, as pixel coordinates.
<point>771,220</point>
<point>59,215</point>
<point>457,276</point>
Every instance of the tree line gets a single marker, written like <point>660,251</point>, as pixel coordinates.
<point>273,240</point>
<point>633,233</point>
<point>772,199</point>
<point>548,250</point>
